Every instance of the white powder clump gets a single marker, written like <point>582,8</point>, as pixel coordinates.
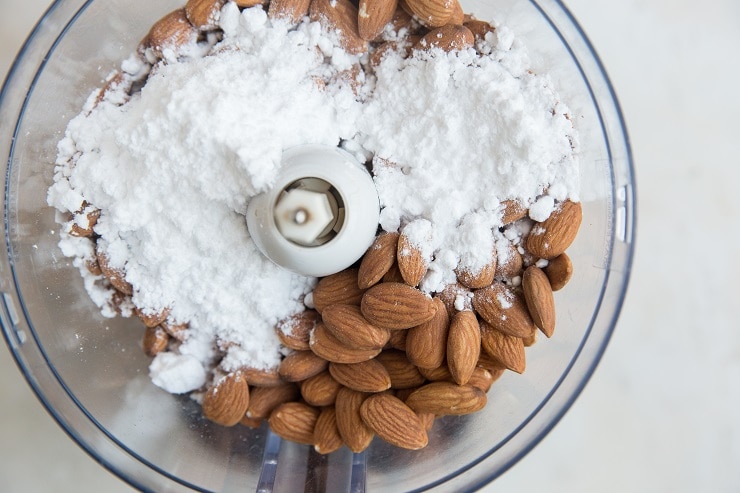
<point>177,374</point>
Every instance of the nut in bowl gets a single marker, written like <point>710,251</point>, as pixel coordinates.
<point>427,342</point>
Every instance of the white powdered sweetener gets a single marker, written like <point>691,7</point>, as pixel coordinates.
<point>173,168</point>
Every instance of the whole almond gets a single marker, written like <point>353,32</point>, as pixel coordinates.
<point>509,263</point>
<point>294,421</point>
<point>262,377</point>
<point>454,295</point>
<point>349,326</point>
<point>155,341</point>
<point>394,421</point>
<point>326,435</point>
<point>505,349</point>
<point>368,376</point>
<point>448,38</point>
<point>295,331</point>
<point>411,261</point>
<point>480,29</point>
<point>504,310</point>
<point>226,401</point>
<point>340,17</point>
<point>291,11</point>
<point>378,260</point>
<point>431,13</point>
<point>117,277</point>
<point>153,318</point>
<point>426,344</point>
<point>172,32</point>
<point>463,346</point>
<point>373,16</point>
<point>446,398</point>
<point>555,234</point>
<point>262,400</point>
<point>402,372</point>
<point>300,365</point>
<point>353,430</point>
<point>203,14</point>
<point>396,306</point>
<point>511,211</point>
<point>539,298</point>
<point>559,271</point>
<point>324,344</point>
<point>320,390</point>
<point>338,288</point>
<point>477,278</point>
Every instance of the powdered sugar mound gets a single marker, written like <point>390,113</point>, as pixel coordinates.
<point>177,373</point>
<point>456,133</point>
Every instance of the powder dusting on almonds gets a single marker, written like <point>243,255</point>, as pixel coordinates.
<point>172,167</point>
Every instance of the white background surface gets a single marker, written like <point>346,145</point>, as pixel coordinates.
<point>662,412</point>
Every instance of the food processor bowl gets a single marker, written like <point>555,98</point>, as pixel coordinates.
<point>91,374</point>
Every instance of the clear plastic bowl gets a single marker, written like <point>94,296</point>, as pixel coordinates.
<point>91,374</point>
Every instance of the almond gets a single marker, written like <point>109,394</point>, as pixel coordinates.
<point>396,306</point>
<point>458,14</point>
<point>480,29</point>
<point>249,3</point>
<point>411,261</point>
<point>427,420</point>
<point>504,310</point>
<point>555,234</point>
<point>262,400</point>
<point>505,349</point>
<point>426,344</point>
<point>253,423</point>
<point>294,421</point>
<point>152,319</point>
<point>83,228</point>
<point>176,330</point>
<point>172,32</point>
<point>463,346</point>
<point>117,277</point>
<point>93,267</point>
<point>292,11</point>
<point>431,13</point>
<point>373,16</point>
<point>483,379</point>
<point>512,210</point>
<point>559,271</point>
<point>300,365</point>
<point>326,435</point>
<point>295,331</point>
<point>439,374</point>
<point>320,390</point>
<point>454,295</point>
<point>155,341</point>
<point>348,325</point>
<point>353,430</point>
<point>477,278</point>
<point>378,260</point>
<point>226,402</point>
<point>338,288</point>
<point>393,274</point>
<point>368,376</point>
<point>325,345</point>
<point>397,340</point>
<point>262,377</point>
<point>394,421</point>
<point>509,264</point>
<point>446,398</point>
<point>203,14</point>
<point>539,298</point>
<point>402,372</point>
<point>340,17</point>
<point>487,362</point>
<point>448,38</point>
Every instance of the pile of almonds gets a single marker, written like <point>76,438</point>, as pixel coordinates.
<point>376,356</point>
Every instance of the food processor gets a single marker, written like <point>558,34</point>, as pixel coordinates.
<point>91,375</point>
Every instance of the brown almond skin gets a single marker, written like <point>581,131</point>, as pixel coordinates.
<point>117,277</point>
<point>539,298</point>
<point>253,423</point>
<point>153,319</point>
<point>396,306</point>
<point>426,344</point>
<point>449,296</point>
<point>503,348</point>
<point>402,372</point>
<point>324,344</point>
<point>431,13</point>
<point>479,30</point>
<point>559,271</point>
<point>439,374</point>
<point>226,402</point>
<point>320,390</point>
<point>338,288</point>
<point>301,365</point>
<point>397,339</point>
<point>463,346</point>
<point>378,260</point>
<point>353,430</point>
<point>480,279</point>
<point>504,310</point>
<point>294,332</point>
<point>393,275</point>
<point>512,211</point>
<point>512,267</point>
<point>446,398</point>
<point>368,376</point>
<point>394,421</point>
<point>411,262</point>
<point>263,400</point>
<point>172,31</point>
<point>288,10</point>
<point>448,38</point>
<point>555,234</point>
<point>201,13</point>
<point>349,326</point>
<point>340,16</point>
<point>326,434</point>
<point>262,377</point>
<point>373,16</point>
<point>483,379</point>
<point>155,341</point>
<point>294,421</point>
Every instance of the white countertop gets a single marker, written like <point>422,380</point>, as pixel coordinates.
<point>661,412</point>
